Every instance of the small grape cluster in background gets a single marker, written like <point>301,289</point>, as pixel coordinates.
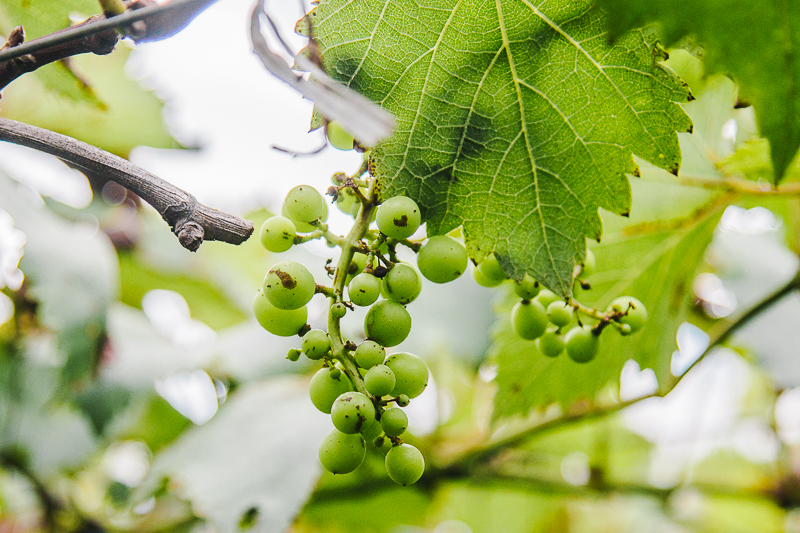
<point>555,324</point>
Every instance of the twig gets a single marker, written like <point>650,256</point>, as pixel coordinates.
<point>737,185</point>
<point>191,221</point>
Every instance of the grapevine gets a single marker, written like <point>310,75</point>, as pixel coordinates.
<point>361,386</point>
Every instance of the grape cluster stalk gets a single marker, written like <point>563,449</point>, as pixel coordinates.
<point>360,386</point>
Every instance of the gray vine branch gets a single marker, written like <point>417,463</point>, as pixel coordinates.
<point>191,221</point>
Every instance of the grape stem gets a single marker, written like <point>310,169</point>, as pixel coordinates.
<point>604,318</point>
<point>349,246</point>
<point>321,233</point>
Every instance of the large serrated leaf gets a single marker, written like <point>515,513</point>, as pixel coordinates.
<point>40,18</point>
<point>755,42</point>
<point>515,118</point>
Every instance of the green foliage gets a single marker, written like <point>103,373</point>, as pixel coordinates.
<point>756,43</point>
<point>46,16</point>
<point>496,130</point>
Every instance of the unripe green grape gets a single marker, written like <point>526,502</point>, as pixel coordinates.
<point>379,442</point>
<point>529,319</point>
<point>341,453</point>
<point>404,464</point>
<point>637,312</point>
<point>528,288</point>
<point>277,321</point>
<point>482,280</point>
<point>442,259</point>
<point>302,227</point>
<point>403,400</point>
<point>324,389</point>
<point>334,372</point>
<point>589,264</point>
<point>293,355</point>
<point>625,330</point>
<point>357,266</point>
<point>316,344</point>
<point>277,234</point>
<point>346,200</point>
<point>582,344</point>
<point>338,136</point>
<point>379,380</point>
<point>546,297</point>
<point>490,267</point>
<point>401,284</point>
<point>371,432</point>
<point>398,217</point>
<point>369,354</point>
<point>352,412</point>
<point>410,373</point>
<point>394,422</point>
<point>305,204</point>
<point>364,289</point>
<point>338,310</point>
<point>387,323</point>
<point>289,285</point>
<point>551,344</point>
<point>559,313</point>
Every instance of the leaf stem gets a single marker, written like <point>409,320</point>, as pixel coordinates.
<point>737,185</point>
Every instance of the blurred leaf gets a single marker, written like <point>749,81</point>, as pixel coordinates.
<point>259,451</point>
<point>752,161</point>
<point>739,515</point>
<point>41,17</point>
<point>101,403</point>
<point>132,116</point>
<point>495,130</point>
<point>757,43</point>
<point>73,298</point>
<point>207,301</point>
<point>158,424</point>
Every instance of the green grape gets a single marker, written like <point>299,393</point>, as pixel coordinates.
<point>338,136</point>
<point>482,280</point>
<point>582,344</point>
<point>334,372</point>
<point>528,288</point>
<point>490,267</point>
<point>364,289</point>
<point>302,227</point>
<point>277,321</point>
<point>338,310</point>
<point>305,204</point>
<point>394,422</point>
<point>289,285</point>
<point>410,372</point>
<point>340,453</point>
<point>352,412</point>
<point>551,344</point>
<point>316,344</point>
<point>529,319</point>
<point>357,265</point>
<point>401,284</point>
<point>369,354</point>
<point>371,432</point>
<point>387,323</point>
<point>398,217</point>
<point>380,442</point>
<point>324,389</point>
<point>637,312</point>
<point>559,313</point>
<point>546,297</point>
<point>346,200</point>
<point>404,464</point>
<point>589,264</point>
<point>293,355</point>
<point>379,380</point>
<point>403,400</point>
<point>277,234</point>
<point>442,259</point>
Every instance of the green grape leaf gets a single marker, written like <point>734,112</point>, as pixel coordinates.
<point>40,18</point>
<point>515,118</point>
<point>756,43</point>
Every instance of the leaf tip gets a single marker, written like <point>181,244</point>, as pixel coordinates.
<point>690,97</point>
<point>690,129</point>
<point>674,169</point>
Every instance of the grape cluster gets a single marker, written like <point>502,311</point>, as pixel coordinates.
<point>556,324</point>
<point>360,386</point>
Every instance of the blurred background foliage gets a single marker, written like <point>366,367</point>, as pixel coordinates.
<point>137,393</point>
